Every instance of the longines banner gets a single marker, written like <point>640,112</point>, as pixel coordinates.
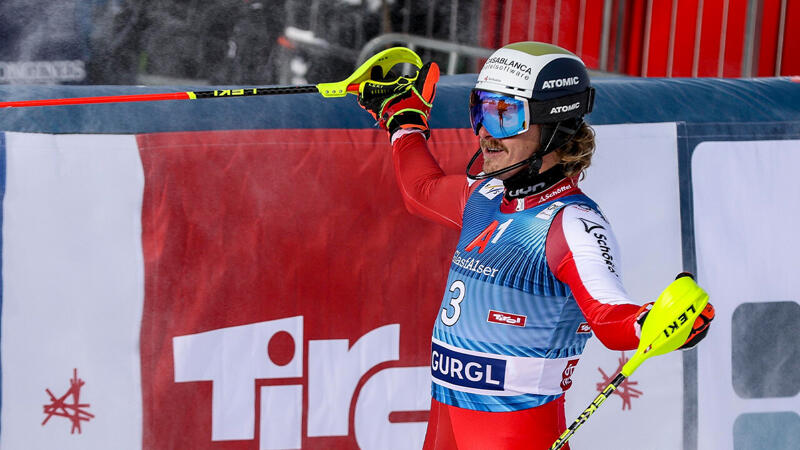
<point>268,290</point>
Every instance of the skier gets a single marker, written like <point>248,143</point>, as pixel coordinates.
<point>536,268</point>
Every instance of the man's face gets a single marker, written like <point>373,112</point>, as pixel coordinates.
<point>501,153</point>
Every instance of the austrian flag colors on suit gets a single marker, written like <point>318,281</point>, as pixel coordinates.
<point>526,362</point>
<point>549,258</point>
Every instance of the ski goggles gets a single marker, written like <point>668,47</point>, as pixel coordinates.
<point>502,115</point>
<point>506,115</point>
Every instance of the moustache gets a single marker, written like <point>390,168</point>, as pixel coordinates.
<point>489,142</point>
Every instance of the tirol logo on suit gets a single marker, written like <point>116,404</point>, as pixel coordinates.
<point>506,318</point>
<point>566,376</point>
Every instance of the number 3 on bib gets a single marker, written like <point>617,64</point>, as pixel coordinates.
<point>458,289</point>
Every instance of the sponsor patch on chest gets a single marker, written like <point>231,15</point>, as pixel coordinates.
<point>467,370</point>
<point>492,189</point>
<point>505,318</point>
<point>566,375</point>
<point>548,212</point>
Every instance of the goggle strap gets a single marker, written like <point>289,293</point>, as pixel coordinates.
<point>575,105</point>
<point>557,135</point>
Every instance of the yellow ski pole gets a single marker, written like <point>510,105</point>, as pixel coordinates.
<point>665,329</point>
<point>385,59</point>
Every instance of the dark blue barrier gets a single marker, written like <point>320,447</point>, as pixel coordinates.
<point>622,100</point>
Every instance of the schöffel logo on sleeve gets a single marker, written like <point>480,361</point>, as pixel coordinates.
<point>506,318</point>
<point>465,370</point>
<point>584,328</point>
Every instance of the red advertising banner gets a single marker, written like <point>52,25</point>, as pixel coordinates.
<point>282,274</point>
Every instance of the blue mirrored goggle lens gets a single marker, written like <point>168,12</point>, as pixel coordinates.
<point>502,116</point>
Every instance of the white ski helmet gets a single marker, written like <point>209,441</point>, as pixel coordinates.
<point>553,79</point>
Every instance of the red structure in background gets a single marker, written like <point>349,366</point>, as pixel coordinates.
<point>658,38</point>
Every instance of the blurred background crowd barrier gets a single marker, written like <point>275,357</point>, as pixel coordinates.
<point>299,41</point>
